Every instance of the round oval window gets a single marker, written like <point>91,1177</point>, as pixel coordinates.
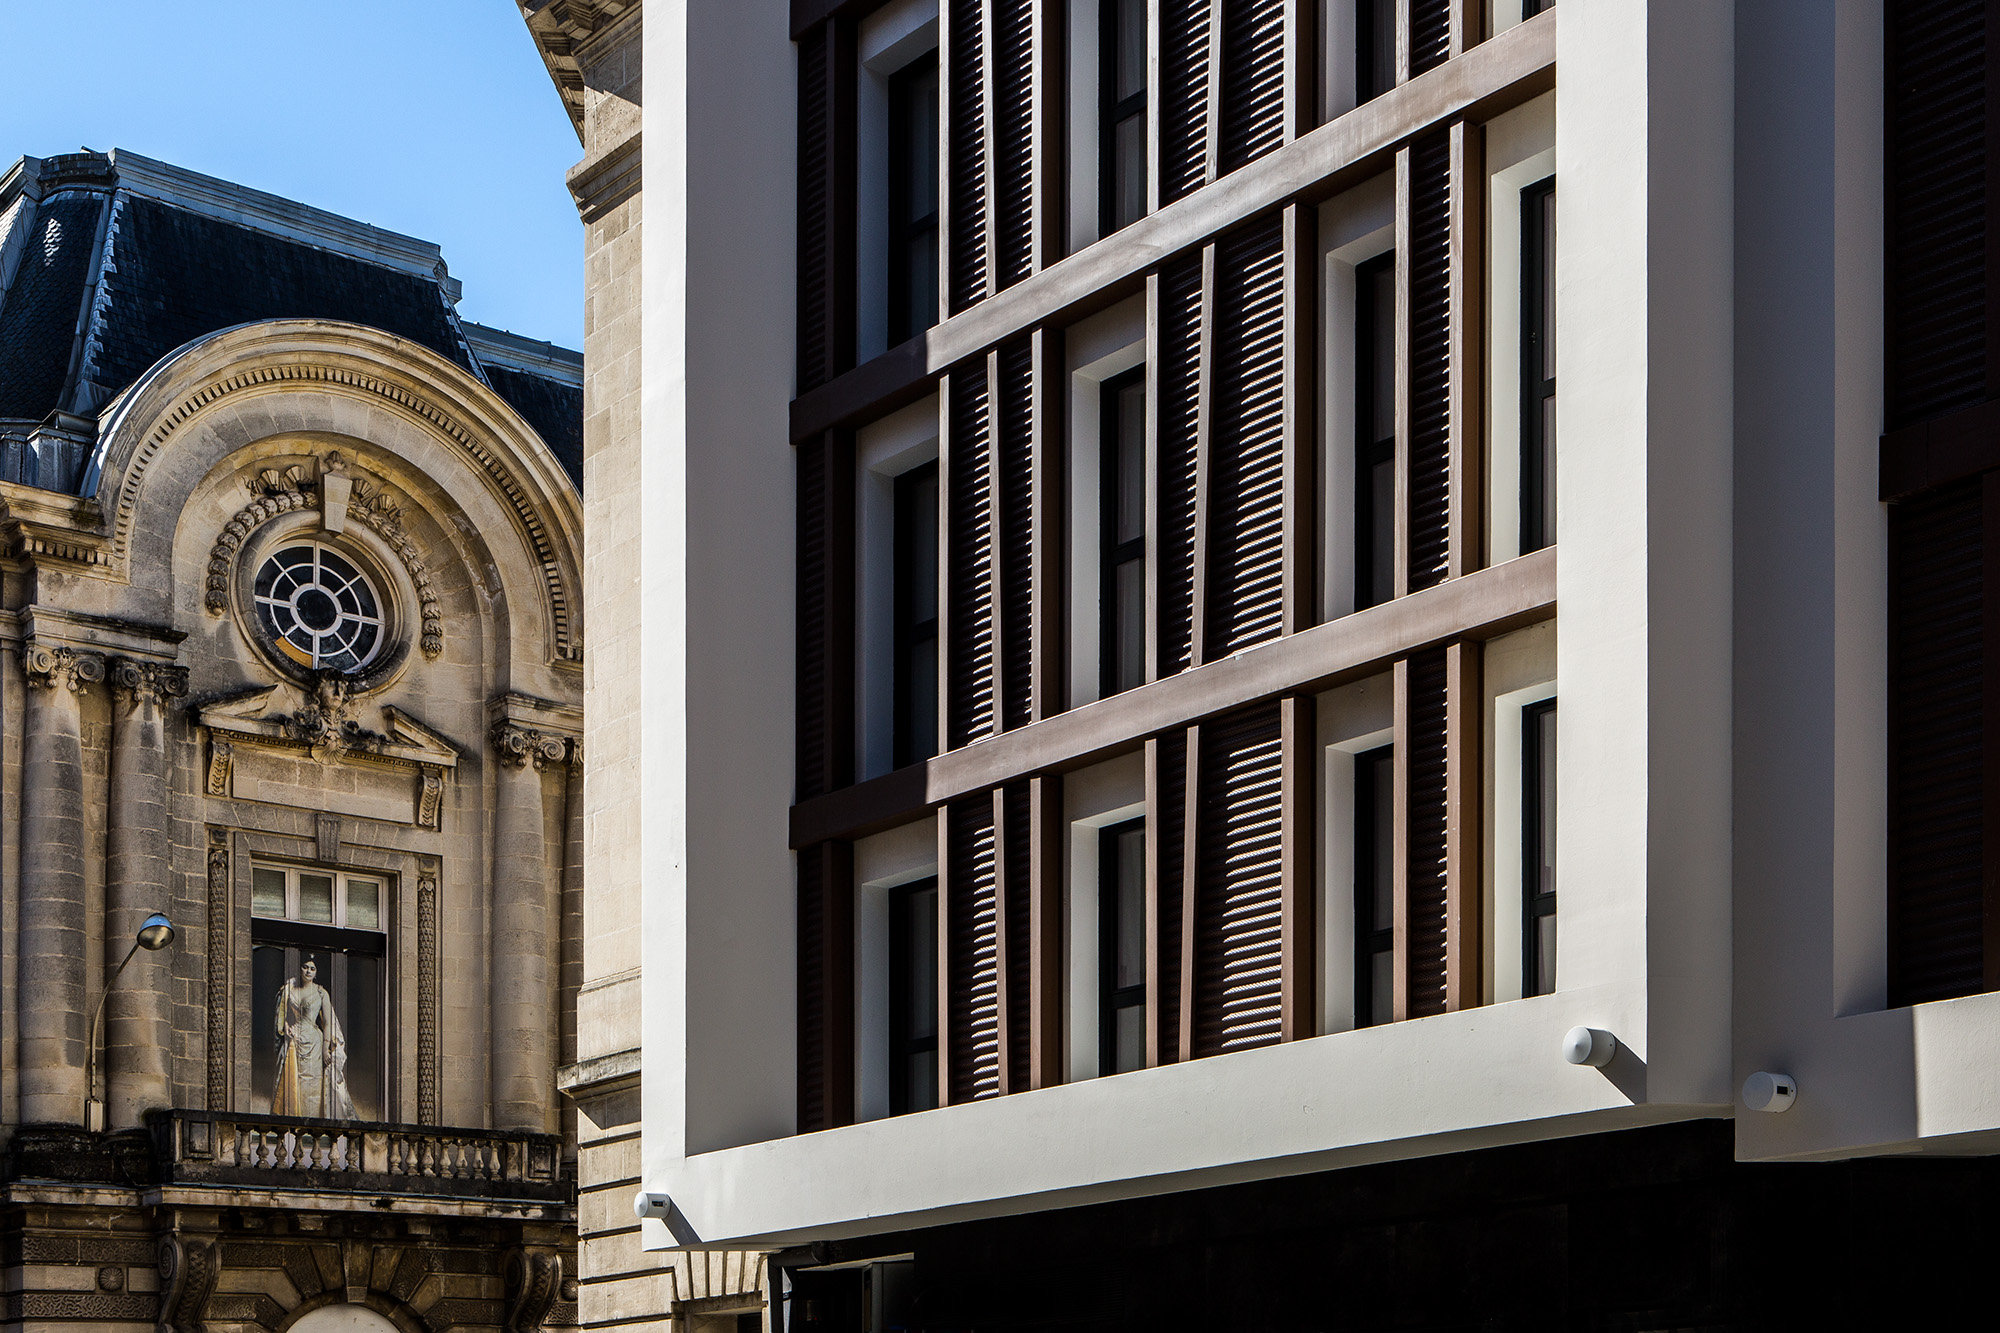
<point>319,609</point>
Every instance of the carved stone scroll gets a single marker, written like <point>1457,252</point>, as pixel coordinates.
<point>221,759</point>
<point>187,1278</point>
<point>61,668</point>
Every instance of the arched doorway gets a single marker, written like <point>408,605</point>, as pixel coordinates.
<point>344,1319</point>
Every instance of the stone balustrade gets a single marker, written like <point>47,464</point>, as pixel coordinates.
<point>281,1152</point>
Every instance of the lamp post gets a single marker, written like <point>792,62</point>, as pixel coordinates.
<point>156,933</point>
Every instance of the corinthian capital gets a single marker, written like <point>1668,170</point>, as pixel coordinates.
<point>61,668</point>
<point>153,682</point>
<point>519,746</point>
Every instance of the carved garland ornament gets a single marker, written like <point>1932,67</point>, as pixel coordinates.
<point>288,491</point>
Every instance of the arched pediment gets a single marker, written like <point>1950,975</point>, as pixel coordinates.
<point>305,376</point>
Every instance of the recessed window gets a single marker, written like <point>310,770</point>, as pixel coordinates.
<point>913,997</point>
<point>1538,848</point>
<point>1121,942</point>
<point>1375,431</point>
<point>913,198</point>
<point>916,614</point>
<point>1374,48</point>
<point>320,610</point>
<point>1374,886</point>
<point>1538,366</point>
<point>318,962</point>
<point>1122,113</point>
<point>1122,532</point>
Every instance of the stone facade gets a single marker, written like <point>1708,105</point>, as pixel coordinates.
<point>291,652</point>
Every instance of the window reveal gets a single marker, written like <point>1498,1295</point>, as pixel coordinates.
<point>318,981</point>
<point>1122,534</point>
<point>1121,947</point>
<point>1374,887</point>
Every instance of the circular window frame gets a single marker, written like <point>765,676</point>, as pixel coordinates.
<point>372,559</point>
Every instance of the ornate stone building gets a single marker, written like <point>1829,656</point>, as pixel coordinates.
<point>291,655</point>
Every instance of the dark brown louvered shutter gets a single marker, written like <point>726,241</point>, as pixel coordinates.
<point>1430,34</point>
<point>1246,526</point>
<point>1936,206</point>
<point>826,203</point>
<point>824,681</point>
<point>1238,1000</point>
<point>1184,98</point>
<point>825,986</point>
<point>1013,140</point>
<point>1425,922</point>
<point>971,972</point>
<point>1166,833</point>
<point>1252,110</point>
<point>1014,576</point>
<point>1177,414</point>
<point>965,155</point>
<point>1016,846</point>
<point>1430,361</point>
<point>1938,915</point>
<point>968,561</point>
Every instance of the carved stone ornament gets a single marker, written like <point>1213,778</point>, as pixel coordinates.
<point>51,668</point>
<point>519,746</point>
<point>326,723</point>
<point>218,975</point>
<point>340,494</point>
<point>534,1280</point>
<point>149,682</point>
<point>187,1278</point>
<point>427,991</point>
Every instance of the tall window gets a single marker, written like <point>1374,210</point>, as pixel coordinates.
<point>1374,48</point>
<point>1538,848</point>
<point>1375,431</point>
<point>318,1010</point>
<point>913,198</point>
<point>1122,532</point>
<point>1538,365</point>
<point>913,997</point>
<point>916,614</point>
<point>1121,113</point>
<point>1530,8</point>
<point>1121,947</point>
<point>1375,886</point>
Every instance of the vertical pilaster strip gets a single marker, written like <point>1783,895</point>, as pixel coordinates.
<point>1156,157</point>
<point>1467,359</point>
<point>1400,824</point>
<point>53,947</point>
<point>1301,507</point>
<point>429,992</point>
<point>1464,806</point>
<point>219,954</point>
<point>1049,460</point>
<point>138,1036</point>
<point>1403,8</point>
<point>1212,96</point>
<point>521,1056</point>
<point>1299,741</point>
<point>570,980</point>
<point>1468,25</point>
<point>1047,832</point>
<point>1302,67</point>
<point>1204,461</point>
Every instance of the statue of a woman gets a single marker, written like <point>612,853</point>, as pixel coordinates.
<point>312,1053</point>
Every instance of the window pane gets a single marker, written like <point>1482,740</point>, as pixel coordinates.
<point>1131,1038</point>
<point>1548,516</point>
<point>1129,625</point>
<point>1382,347</point>
<point>1375,59</point>
<point>267,891</point>
<point>1128,171</point>
<point>1131,889</point>
<point>318,1047</point>
<point>364,904</point>
<point>1545,955</point>
<point>923,998</point>
<point>1381,532</point>
<point>921,674</point>
<point>316,898</point>
<point>923,1080</point>
<point>1382,987</point>
<point>1131,507</point>
<point>1545,751</point>
<point>1129,74</point>
<point>921,282</point>
<point>921,513</point>
<point>1383,860</point>
<point>1548,276</point>
<point>920,143</point>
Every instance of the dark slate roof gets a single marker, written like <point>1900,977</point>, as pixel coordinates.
<point>38,319</point>
<point>173,275</point>
<point>553,407</point>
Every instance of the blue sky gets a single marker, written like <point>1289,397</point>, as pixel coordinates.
<point>430,117</point>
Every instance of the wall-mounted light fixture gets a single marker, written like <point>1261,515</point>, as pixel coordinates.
<point>155,934</point>
<point>1770,1092</point>
<point>1589,1046</point>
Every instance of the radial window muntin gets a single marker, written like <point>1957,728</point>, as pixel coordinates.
<point>320,609</point>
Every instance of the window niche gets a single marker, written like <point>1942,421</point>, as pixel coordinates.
<point>896,175</point>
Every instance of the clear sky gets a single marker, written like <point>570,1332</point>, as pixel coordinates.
<point>434,118</point>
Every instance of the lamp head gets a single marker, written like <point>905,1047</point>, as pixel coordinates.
<point>157,933</point>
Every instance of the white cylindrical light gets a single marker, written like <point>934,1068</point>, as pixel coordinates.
<point>1770,1092</point>
<point>1589,1046</point>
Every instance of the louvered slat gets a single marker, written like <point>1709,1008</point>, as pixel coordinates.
<point>1166,831</point>
<point>825,1002</point>
<point>1013,140</point>
<point>1426,923</point>
<point>972,965</point>
<point>969,563</point>
<point>1017,883</point>
<point>1177,414</point>
<point>1184,101</point>
<point>1936,690</point>
<point>812,1108</point>
<point>815,269</point>
<point>1936,208</point>
<point>965,130</point>
<point>1430,34</point>
<point>1015,577</point>
<point>1430,362</point>
<point>1252,110</point>
<point>812,665</point>
<point>1246,590</point>
<point>1239,935</point>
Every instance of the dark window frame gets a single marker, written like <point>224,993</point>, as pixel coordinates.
<point>1113,111</point>
<point>1374,441</point>
<point>1537,389</point>
<point>1537,766</point>
<point>907,234</point>
<point>1372,938</point>
<point>904,1044</point>
<point>1112,553</point>
<point>1369,81</point>
<point>909,631</point>
<point>1111,997</point>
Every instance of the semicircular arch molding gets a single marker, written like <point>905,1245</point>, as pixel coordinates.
<point>321,376</point>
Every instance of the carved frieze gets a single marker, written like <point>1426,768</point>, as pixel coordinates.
<point>427,991</point>
<point>218,973</point>
<point>52,668</point>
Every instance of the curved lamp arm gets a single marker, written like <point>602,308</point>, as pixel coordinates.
<point>157,933</point>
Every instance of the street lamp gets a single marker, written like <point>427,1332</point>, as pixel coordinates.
<point>156,933</point>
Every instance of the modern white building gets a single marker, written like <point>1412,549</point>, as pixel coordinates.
<point>1097,559</point>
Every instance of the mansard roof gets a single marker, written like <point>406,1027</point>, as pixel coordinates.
<point>110,261</point>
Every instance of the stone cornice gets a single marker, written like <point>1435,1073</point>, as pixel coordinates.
<point>601,183</point>
<point>562,29</point>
